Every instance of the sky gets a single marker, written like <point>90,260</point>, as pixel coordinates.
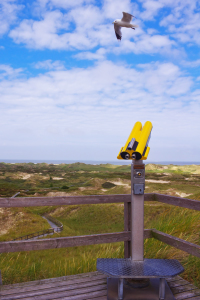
<point>69,90</point>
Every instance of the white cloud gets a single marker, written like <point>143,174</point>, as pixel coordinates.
<point>54,31</point>
<point>72,29</point>
<point>151,9</point>
<point>98,55</point>
<point>49,65</point>
<point>8,72</point>
<point>191,64</point>
<point>42,34</point>
<point>113,9</point>
<point>63,25</point>
<point>91,30</point>
<point>184,21</point>
<point>49,4</point>
<point>145,43</point>
<point>8,14</point>
<point>179,8</point>
<point>91,17</point>
<point>93,107</point>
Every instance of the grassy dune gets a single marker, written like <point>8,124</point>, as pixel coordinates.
<point>87,219</point>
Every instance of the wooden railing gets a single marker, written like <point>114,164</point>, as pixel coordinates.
<point>34,234</point>
<point>55,221</point>
<point>42,232</point>
<point>61,242</point>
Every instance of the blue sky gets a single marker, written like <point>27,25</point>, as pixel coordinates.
<point>70,90</point>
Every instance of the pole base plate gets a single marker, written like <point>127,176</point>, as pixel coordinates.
<point>129,293</point>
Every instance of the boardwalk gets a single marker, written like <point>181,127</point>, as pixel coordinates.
<point>83,287</point>
<point>92,286</point>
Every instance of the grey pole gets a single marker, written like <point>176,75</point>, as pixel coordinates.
<point>137,210</point>
<point>120,289</point>
<point>162,289</point>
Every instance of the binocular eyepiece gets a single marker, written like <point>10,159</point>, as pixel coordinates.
<point>126,155</point>
<point>136,146</point>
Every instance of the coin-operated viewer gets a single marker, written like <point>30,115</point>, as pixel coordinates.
<point>136,146</point>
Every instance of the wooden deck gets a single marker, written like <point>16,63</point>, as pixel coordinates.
<point>82,287</point>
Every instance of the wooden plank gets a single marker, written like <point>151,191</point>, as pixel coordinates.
<point>72,241</point>
<point>174,278</point>
<point>84,287</point>
<point>188,247</point>
<point>101,298</point>
<point>177,283</point>
<point>62,242</point>
<point>186,295</point>
<point>0,279</point>
<point>96,199</point>
<point>99,295</point>
<point>54,289</point>
<point>88,291</point>
<point>53,285</point>
<point>183,288</point>
<point>67,200</point>
<point>194,298</point>
<point>127,227</point>
<point>92,277</point>
<point>177,201</point>
<point>56,280</point>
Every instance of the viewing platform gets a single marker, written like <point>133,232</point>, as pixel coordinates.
<point>92,285</point>
<point>83,287</point>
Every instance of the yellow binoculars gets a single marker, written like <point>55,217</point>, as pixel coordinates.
<point>136,146</point>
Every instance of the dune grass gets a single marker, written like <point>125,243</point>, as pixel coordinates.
<point>91,219</point>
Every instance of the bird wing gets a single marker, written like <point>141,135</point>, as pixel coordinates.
<point>118,31</point>
<point>127,17</point>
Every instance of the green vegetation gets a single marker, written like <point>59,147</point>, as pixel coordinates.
<point>76,179</point>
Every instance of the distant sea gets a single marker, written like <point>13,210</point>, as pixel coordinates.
<point>95,162</point>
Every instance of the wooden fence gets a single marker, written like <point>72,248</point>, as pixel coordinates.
<point>42,232</point>
<point>125,236</point>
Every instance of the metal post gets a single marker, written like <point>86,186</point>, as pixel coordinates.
<point>162,289</point>
<point>127,227</point>
<point>120,289</point>
<point>0,279</point>
<point>137,210</point>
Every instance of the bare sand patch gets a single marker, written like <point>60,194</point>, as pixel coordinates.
<point>58,211</point>
<point>25,176</point>
<point>58,194</point>
<point>167,174</point>
<point>8,220</point>
<point>120,183</point>
<point>96,183</point>
<point>181,194</point>
<point>82,188</point>
<point>157,181</point>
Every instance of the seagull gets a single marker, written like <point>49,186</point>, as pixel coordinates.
<point>124,22</point>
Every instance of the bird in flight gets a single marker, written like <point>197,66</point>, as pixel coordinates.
<point>124,22</point>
